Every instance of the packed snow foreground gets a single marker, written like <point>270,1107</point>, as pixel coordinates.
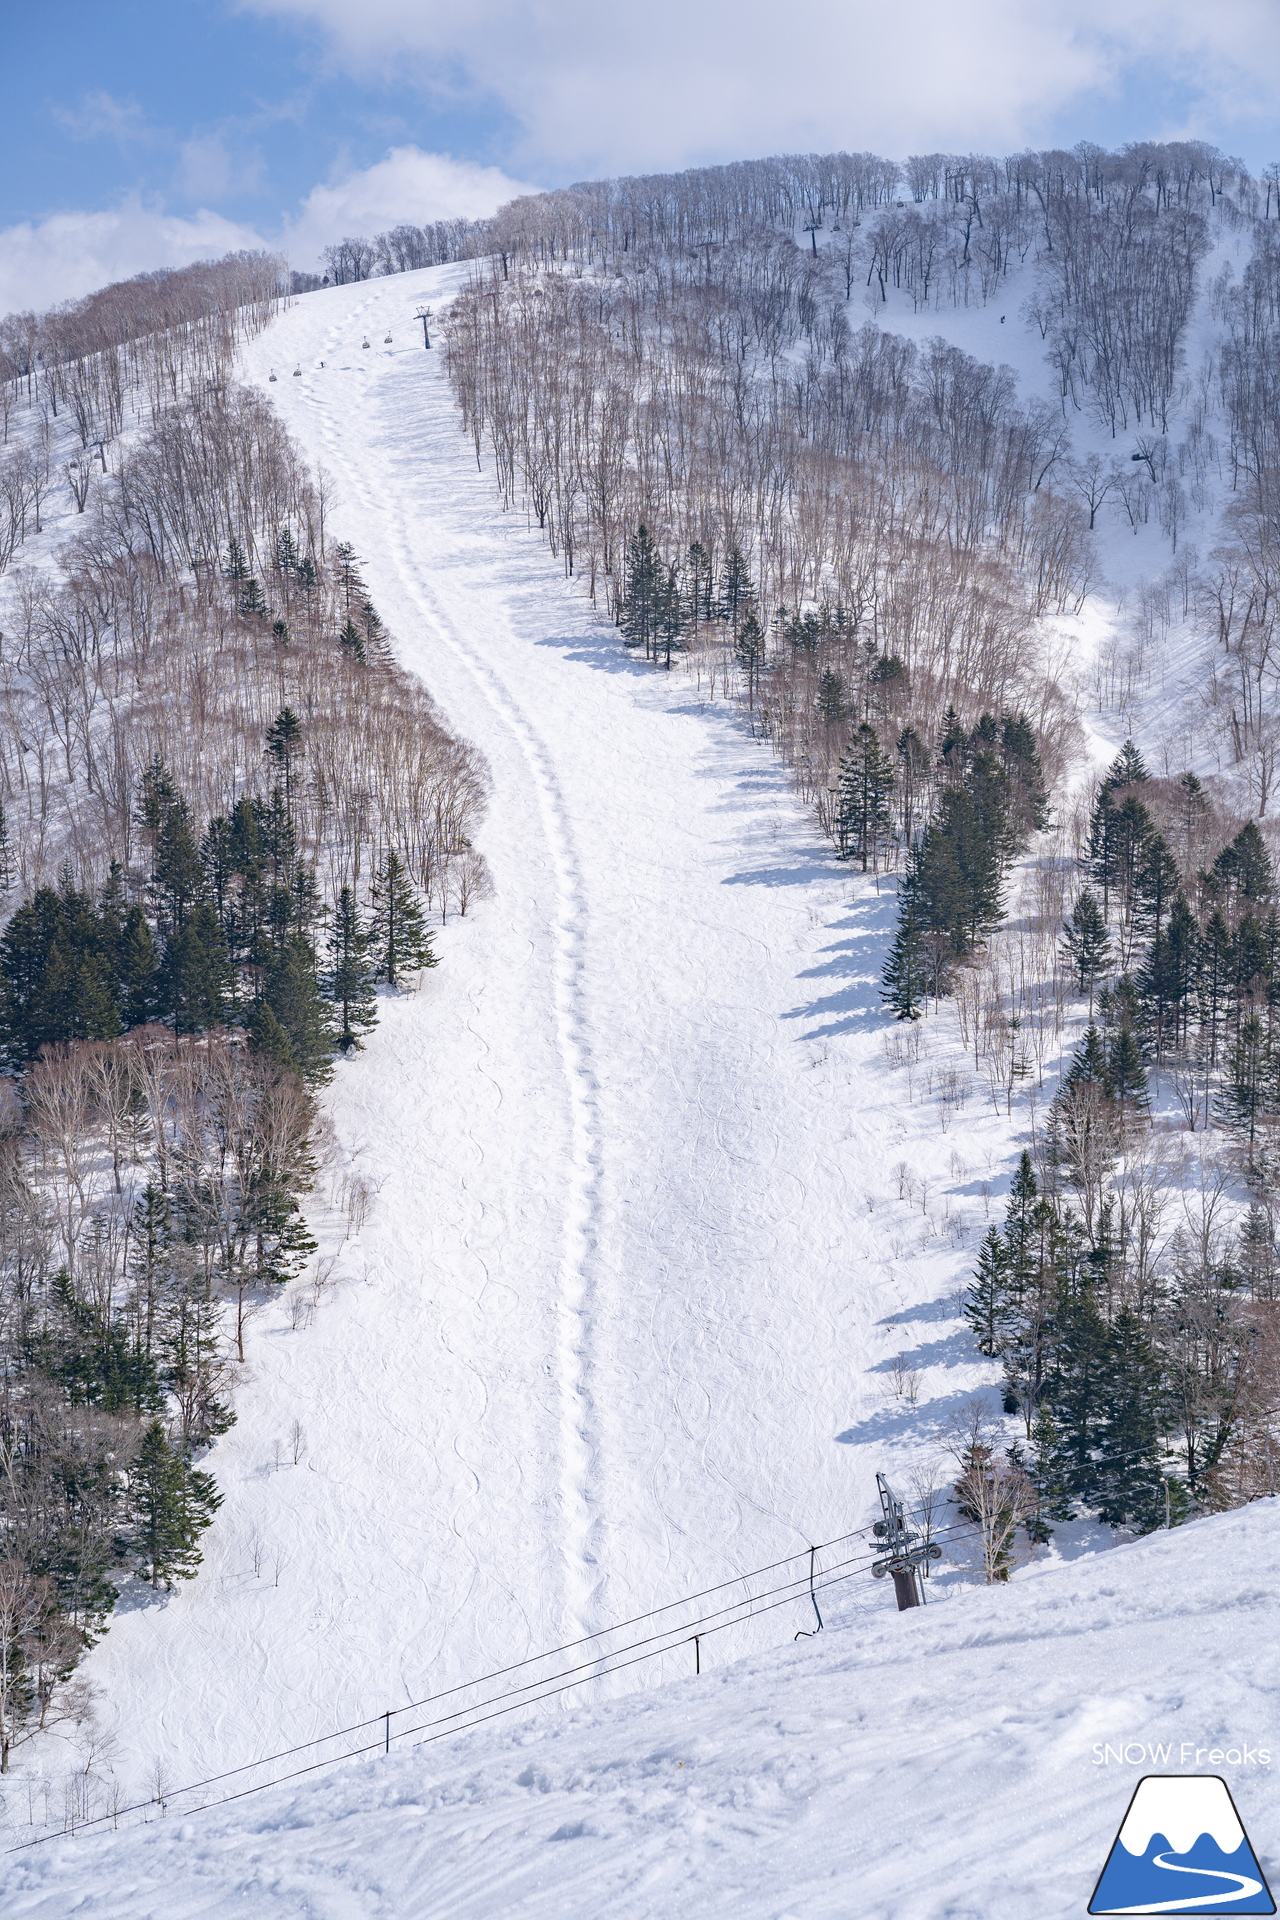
<point>968,1759</point>
<point>633,1298</point>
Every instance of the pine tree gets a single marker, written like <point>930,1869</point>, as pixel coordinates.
<point>1243,1094</point>
<point>56,975</point>
<point>1167,978</point>
<point>237,567</point>
<point>1213,996</point>
<point>1128,769</point>
<point>286,552</point>
<point>831,700</point>
<point>138,971</point>
<point>372,631</point>
<point>1245,866</point>
<point>1156,884</point>
<point>1258,1261</point>
<point>270,1038</point>
<point>1049,1471</point>
<point>698,567</point>
<point>1085,943</point>
<point>195,980</point>
<point>986,1304</point>
<point>349,581</point>
<point>670,617</point>
<point>6,854</point>
<point>1101,853</point>
<point>174,1502</point>
<point>399,939</point>
<point>350,980</point>
<point>1127,1074</point>
<point>252,602</point>
<point>737,591</point>
<point>285,747</point>
<point>1130,1487</point>
<point>1077,1389</point>
<point>905,978</point>
<point>862,805</point>
<point>644,584</point>
<point>291,989</point>
<point>351,640</point>
<point>1028,794</point>
<point>749,649</point>
<point>1089,1064</point>
<point>913,779</point>
<point>177,876</point>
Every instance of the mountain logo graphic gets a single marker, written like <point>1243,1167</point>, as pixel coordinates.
<point>1181,1849</point>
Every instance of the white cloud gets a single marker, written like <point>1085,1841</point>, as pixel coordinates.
<point>210,171</point>
<point>407,185</point>
<point>599,86</point>
<point>70,254</point>
<point>100,115</point>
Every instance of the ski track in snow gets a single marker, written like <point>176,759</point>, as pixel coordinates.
<point>618,1324</point>
<point>578,1442</point>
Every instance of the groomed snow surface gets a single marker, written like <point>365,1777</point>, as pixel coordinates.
<point>621,1325</point>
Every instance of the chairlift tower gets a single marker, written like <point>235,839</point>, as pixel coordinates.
<point>905,1548</point>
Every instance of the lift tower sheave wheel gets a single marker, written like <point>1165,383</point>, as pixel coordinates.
<point>905,1549</point>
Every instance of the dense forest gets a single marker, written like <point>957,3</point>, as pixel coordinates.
<point>226,817</point>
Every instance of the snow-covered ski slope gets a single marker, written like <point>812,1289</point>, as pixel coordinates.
<point>966,1762</point>
<point>620,1323</point>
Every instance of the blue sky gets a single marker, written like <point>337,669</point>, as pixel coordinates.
<point>139,134</point>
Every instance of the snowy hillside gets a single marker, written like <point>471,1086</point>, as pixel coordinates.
<point>972,1760</point>
<point>652,1258</point>
<point>616,1328</point>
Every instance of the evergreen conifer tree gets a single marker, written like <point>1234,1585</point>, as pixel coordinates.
<point>862,805</point>
<point>1085,943</point>
<point>195,983</point>
<point>399,939</point>
<point>292,991</point>
<point>831,701</point>
<point>285,747</point>
<point>701,580</point>
<point>174,1503</point>
<point>737,591</point>
<point>1242,1098</point>
<point>749,649</point>
<point>350,980</point>
<point>1101,853</point>
<point>644,584</point>
<point>986,1304</point>
<point>1089,1063</point>
<point>351,640</point>
<point>1049,1471</point>
<point>270,1038</point>
<point>1167,978</point>
<point>1128,769</point>
<point>138,970</point>
<point>1156,884</point>
<point>1127,1074</point>
<point>1129,1485</point>
<point>905,978</point>
<point>1078,1388</point>
<point>1245,866</point>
